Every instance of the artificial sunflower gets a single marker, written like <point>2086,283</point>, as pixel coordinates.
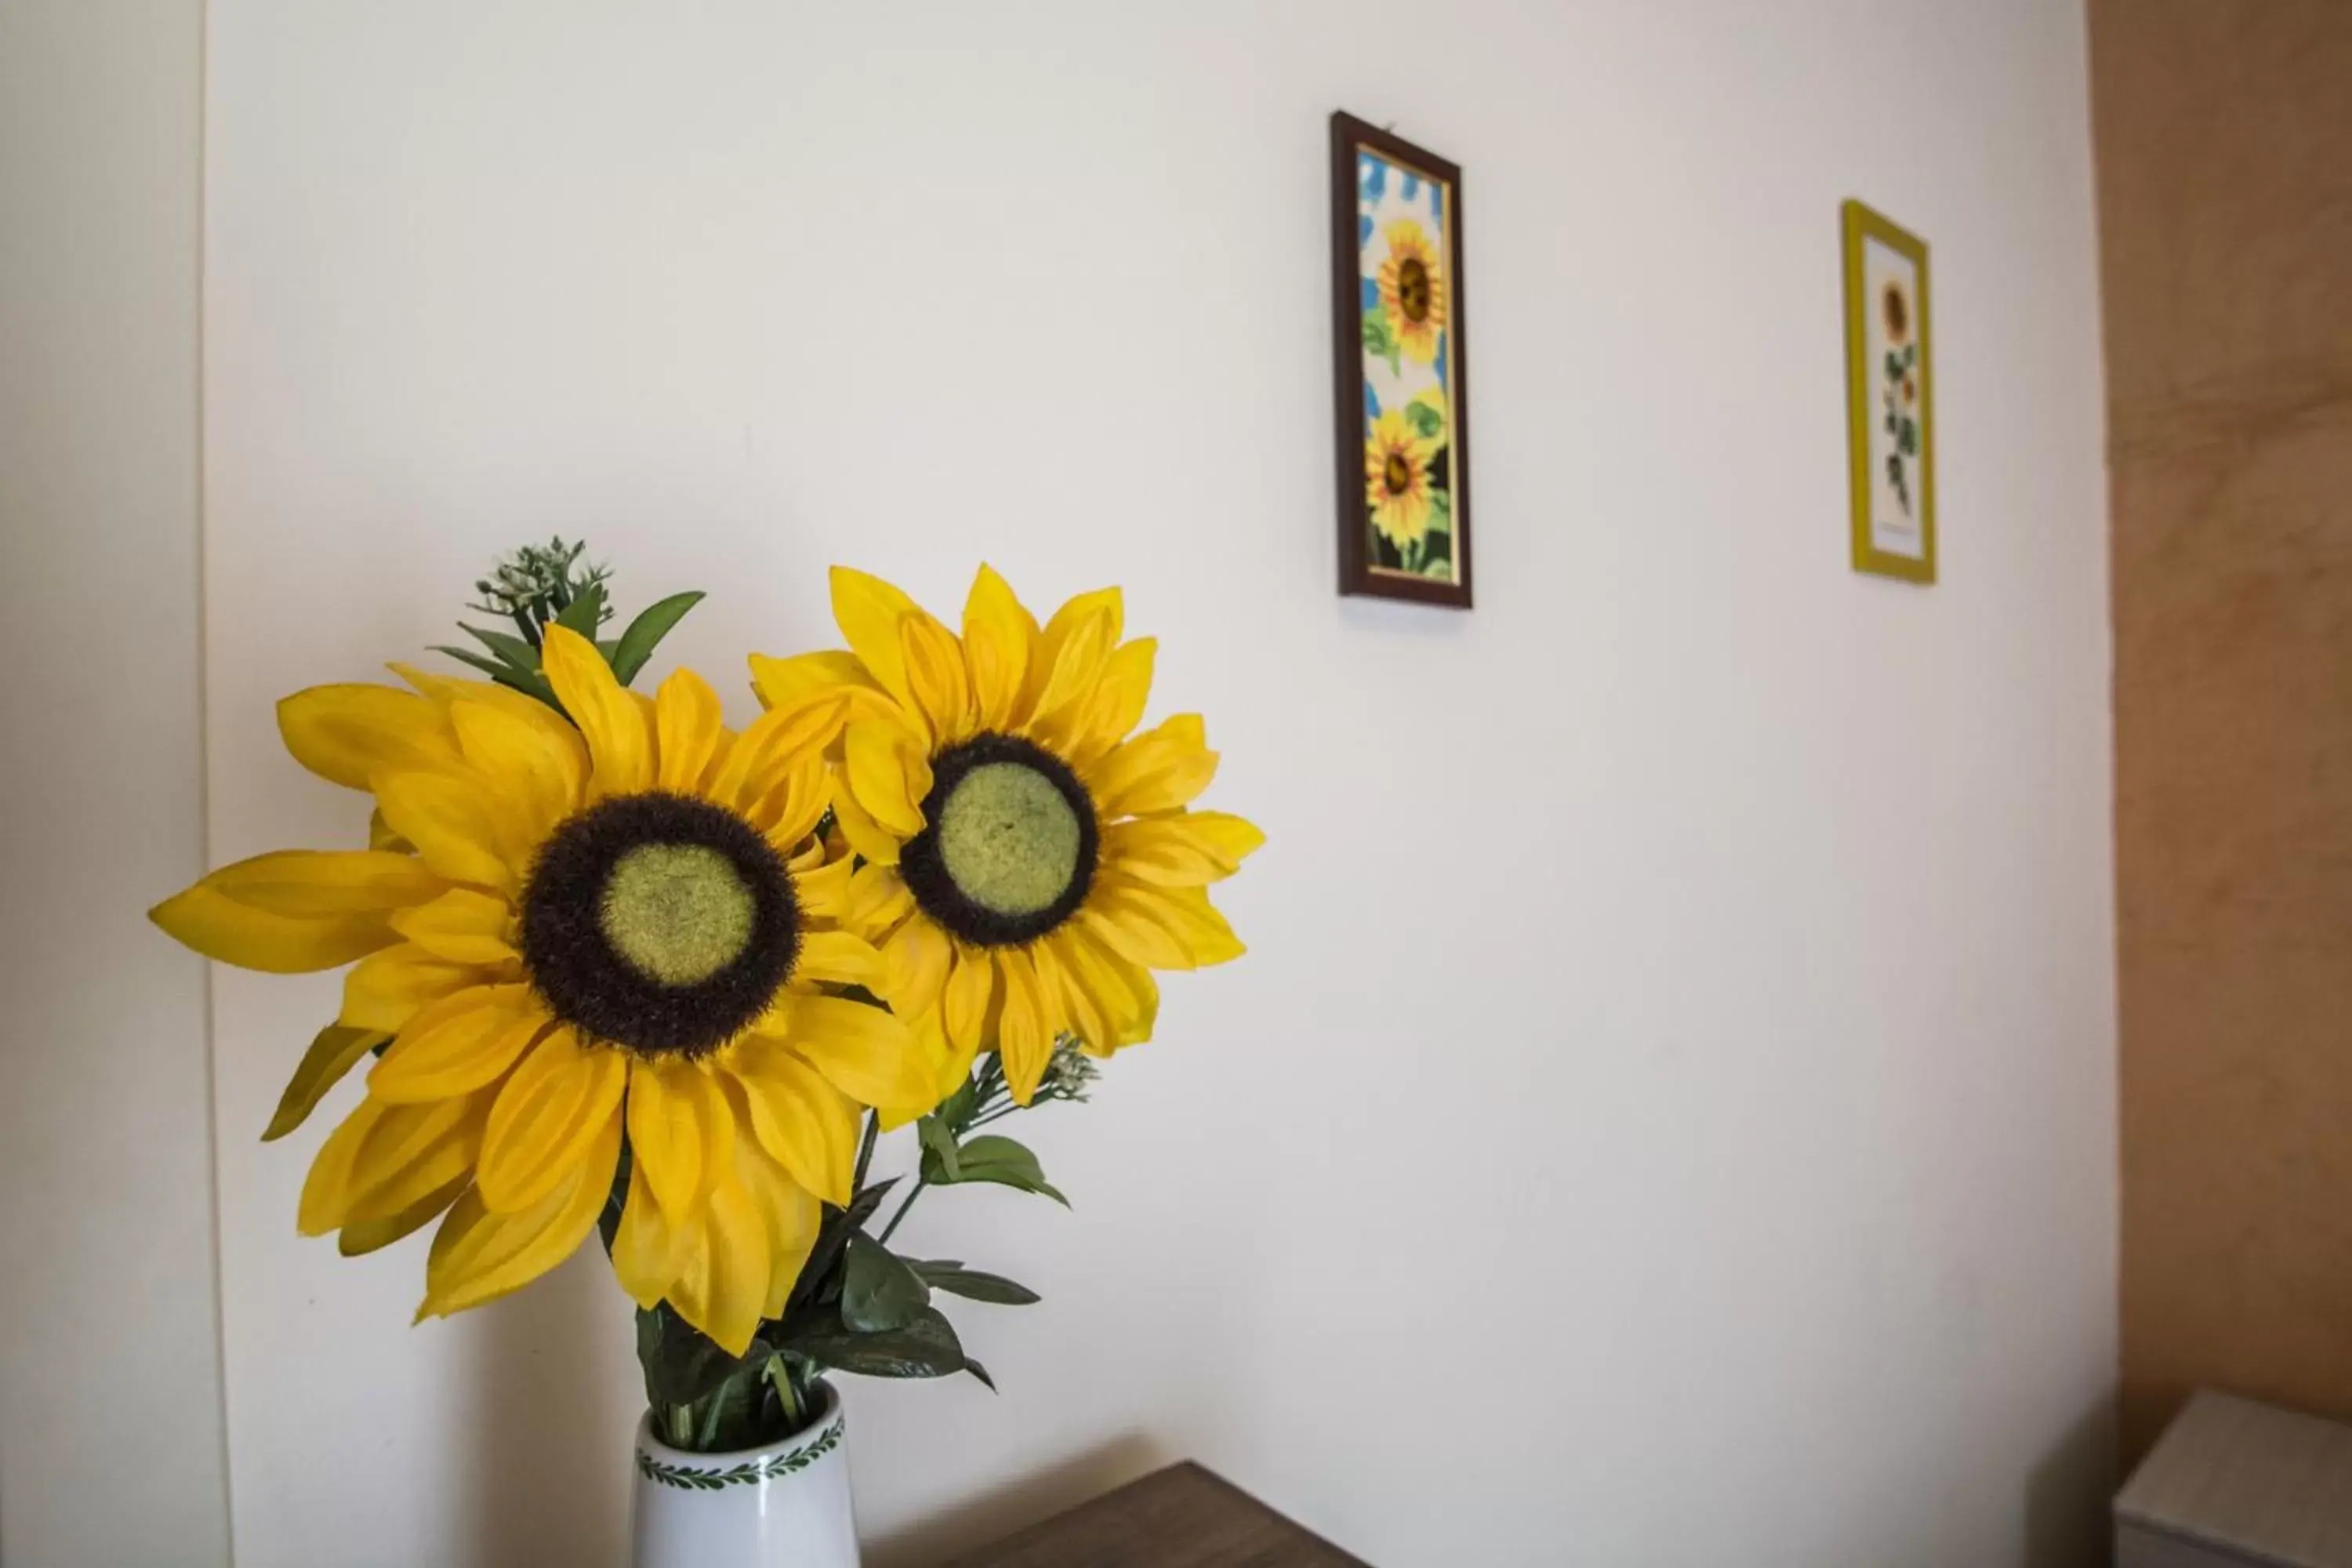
<point>574,936</point>
<point>1396,478</point>
<point>1412,290</point>
<point>1895,305</point>
<point>1024,861</point>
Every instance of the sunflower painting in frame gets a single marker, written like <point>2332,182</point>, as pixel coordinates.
<point>1401,371</point>
<point>1890,398</point>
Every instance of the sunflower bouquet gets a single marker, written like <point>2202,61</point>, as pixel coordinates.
<point>618,967</point>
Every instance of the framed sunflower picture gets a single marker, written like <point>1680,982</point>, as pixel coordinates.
<point>1890,398</point>
<point>1402,379</point>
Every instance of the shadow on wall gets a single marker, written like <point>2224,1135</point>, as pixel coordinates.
<point>985,1520</point>
<point>544,1466</point>
<point>2067,1492</point>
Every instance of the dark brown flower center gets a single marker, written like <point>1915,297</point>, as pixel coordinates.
<point>1008,847</point>
<point>1412,289</point>
<point>1396,474</point>
<point>659,922</point>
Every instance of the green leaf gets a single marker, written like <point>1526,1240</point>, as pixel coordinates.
<point>991,1158</point>
<point>584,613</point>
<point>980,1373</point>
<point>529,683</point>
<point>941,1145</point>
<point>958,1110</point>
<point>1379,341</point>
<point>878,1290</point>
<point>516,655</point>
<point>974,1286</point>
<point>653,623</point>
<point>927,1347</point>
<point>1442,569</point>
<point>1426,422</point>
<point>1893,365</point>
<point>1909,439</point>
<point>681,1364</point>
<point>1441,514</point>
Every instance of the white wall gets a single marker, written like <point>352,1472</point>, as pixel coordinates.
<point>109,1376</point>
<point>1667,1116</point>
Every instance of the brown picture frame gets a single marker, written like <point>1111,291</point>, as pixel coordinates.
<point>1365,568</point>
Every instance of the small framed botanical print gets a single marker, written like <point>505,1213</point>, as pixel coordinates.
<point>1890,398</point>
<point>1402,369</point>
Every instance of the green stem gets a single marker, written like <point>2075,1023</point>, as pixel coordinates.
<point>865,1152</point>
<point>681,1426</point>
<point>890,1229</point>
<point>780,1375</point>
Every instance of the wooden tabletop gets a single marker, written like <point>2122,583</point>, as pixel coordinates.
<point>1182,1517</point>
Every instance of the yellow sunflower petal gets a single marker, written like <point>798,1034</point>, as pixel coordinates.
<point>297,910</point>
<point>837,958</point>
<point>334,1052</point>
<point>1122,992</point>
<point>868,611</point>
<point>302,883</point>
<point>1186,914</point>
<point>537,767</point>
<point>779,742</point>
<point>680,1128</point>
<point>1025,1036</point>
<point>965,1000</point>
<point>362,1237</point>
<point>1184,849</point>
<point>792,1215</point>
<point>936,683</point>
<point>724,1281</point>
<point>454,824</point>
<point>1116,706</point>
<point>824,890</point>
<point>386,989</point>
<point>805,1124</point>
<point>863,1051</point>
<point>412,1153</point>
<point>648,1250</point>
<point>462,925</point>
<point>863,833</point>
<point>951,1063</point>
<point>888,774</point>
<point>382,1158</point>
<point>914,967</point>
<point>998,634</point>
<point>1083,1006</point>
<point>784,682</point>
<point>1160,770</point>
<point>789,813</point>
<point>446,689</point>
<point>1136,1028</point>
<point>1046,652</point>
<point>547,1116</point>
<point>688,728</point>
<point>479,1256</point>
<point>1118,914</point>
<point>1075,669</point>
<point>456,1045</point>
<point>879,897</point>
<point>349,733</point>
<point>613,722</point>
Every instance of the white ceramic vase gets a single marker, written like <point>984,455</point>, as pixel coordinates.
<point>783,1506</point>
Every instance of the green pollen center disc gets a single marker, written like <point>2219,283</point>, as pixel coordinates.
<point>1008,839</point>
<point>677,913</point>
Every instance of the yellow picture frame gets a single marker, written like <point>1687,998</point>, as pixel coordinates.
<point>1890,397</point>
